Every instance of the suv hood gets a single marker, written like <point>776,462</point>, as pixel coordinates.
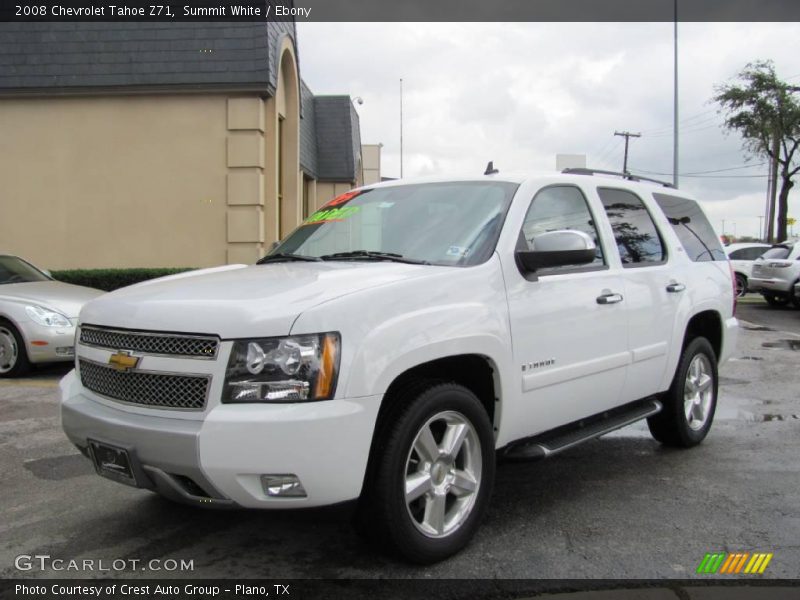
<point>66,298</point>
<point>239,301</point>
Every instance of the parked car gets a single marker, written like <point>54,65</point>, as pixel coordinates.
<point>37,316</point>
<point>403,337</point>
<point>742,256</point>
<point>776,272</point>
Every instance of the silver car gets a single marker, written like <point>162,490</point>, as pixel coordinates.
<point>776,272</point>
<point>37,316</point>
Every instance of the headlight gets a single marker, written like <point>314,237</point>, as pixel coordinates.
<point>46,317</point>
<point>289,369</point>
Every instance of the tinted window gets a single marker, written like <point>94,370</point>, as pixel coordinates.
<point>692,228</point>
<point>636,234</point>
<point>746,253</point>
<point>16,270</point>
<point>779,252</point>
<point>558,208</point>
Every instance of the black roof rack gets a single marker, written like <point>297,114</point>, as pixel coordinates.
<point>628,176</point>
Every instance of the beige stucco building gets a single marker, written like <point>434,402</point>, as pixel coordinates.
<point>139,145</point>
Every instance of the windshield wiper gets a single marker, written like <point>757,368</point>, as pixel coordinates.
<point>370,255</point>
<point>287,256</point>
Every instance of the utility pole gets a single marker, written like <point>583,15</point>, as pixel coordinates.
<point>627,135</point>
<point>761,227</point>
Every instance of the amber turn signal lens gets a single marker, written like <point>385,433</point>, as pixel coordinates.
<point>328,363</point>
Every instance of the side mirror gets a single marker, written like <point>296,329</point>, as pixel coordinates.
<point>557,249</point>
<point>48,273</point>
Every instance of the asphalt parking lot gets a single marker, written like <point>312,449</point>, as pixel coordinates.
<point>618,507</point>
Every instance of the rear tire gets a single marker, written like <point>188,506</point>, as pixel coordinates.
<point>795,299</point>
<point>431,473</point>
<point>776,299</point>
<point>691,401</point>
<point>13,356</point>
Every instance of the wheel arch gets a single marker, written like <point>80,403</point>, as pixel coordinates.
<point>476,372</point>
<point>707,324</point>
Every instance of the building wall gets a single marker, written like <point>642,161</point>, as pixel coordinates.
<point>115,181</point>
<point>371,165</point>
<point>153,180</point>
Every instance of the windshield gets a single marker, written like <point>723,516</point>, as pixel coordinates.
<point>16,270</point>
<point>453,224</point>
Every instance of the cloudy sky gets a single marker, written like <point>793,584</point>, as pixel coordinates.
<point>519,93</point>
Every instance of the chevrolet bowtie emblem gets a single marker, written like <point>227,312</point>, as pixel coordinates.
<point>123,361</point>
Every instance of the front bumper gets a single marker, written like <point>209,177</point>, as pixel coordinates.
<point>219,461</point>
<point>48,344</point>
<point>782,286</point>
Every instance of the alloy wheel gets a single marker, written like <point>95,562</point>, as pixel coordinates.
<point>443,474</point>
<point>698,392</point>
<point>8,350</point>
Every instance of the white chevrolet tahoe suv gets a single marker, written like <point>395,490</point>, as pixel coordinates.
<point>401,340</point>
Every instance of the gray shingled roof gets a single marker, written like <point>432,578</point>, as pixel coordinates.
<point>308,131</point>
<point>80,57</point>
<point>338,138</point>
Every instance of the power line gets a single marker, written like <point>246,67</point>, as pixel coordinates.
<point>703,175</point>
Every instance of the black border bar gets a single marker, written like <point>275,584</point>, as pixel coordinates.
<point>403,10</point>
<point>391,589</point>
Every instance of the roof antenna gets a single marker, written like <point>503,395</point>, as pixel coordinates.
<point>490,170</point>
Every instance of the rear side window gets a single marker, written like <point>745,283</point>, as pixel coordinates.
<point>746,253</point>
<point>779,252</point>
<point>637,238</point>
<point>692,228</point>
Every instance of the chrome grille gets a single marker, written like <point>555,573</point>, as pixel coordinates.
<point>157,390</point>
<point>150,343</point>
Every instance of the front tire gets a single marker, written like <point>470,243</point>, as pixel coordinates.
<point>741,285</point>
<point>13,356</point>
<point>431,474</point>
<point>691,401</point>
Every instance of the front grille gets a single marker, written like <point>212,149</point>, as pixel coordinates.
<point>150,343</point>
<point>158,390</point>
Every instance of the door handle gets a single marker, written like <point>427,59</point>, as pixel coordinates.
<point>674,288</point>
<point>609,298</point>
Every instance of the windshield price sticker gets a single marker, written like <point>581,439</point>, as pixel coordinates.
<point>332,215</point>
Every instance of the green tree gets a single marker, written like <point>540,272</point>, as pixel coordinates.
<point>764,111</point>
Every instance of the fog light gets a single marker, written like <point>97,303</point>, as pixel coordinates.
<point>66,351</point>
<point>283,486</point>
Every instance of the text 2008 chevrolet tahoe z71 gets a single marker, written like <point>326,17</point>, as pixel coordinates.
<point>402,338</point>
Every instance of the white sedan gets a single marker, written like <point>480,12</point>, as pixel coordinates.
<point>742,256</point>
<point>37,316</point>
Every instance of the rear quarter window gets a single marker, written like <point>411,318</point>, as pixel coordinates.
<point>692,228</point>
<point>779,252</point>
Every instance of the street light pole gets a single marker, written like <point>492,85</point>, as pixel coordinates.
<point>675,105</point>
<point>401,128</point>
